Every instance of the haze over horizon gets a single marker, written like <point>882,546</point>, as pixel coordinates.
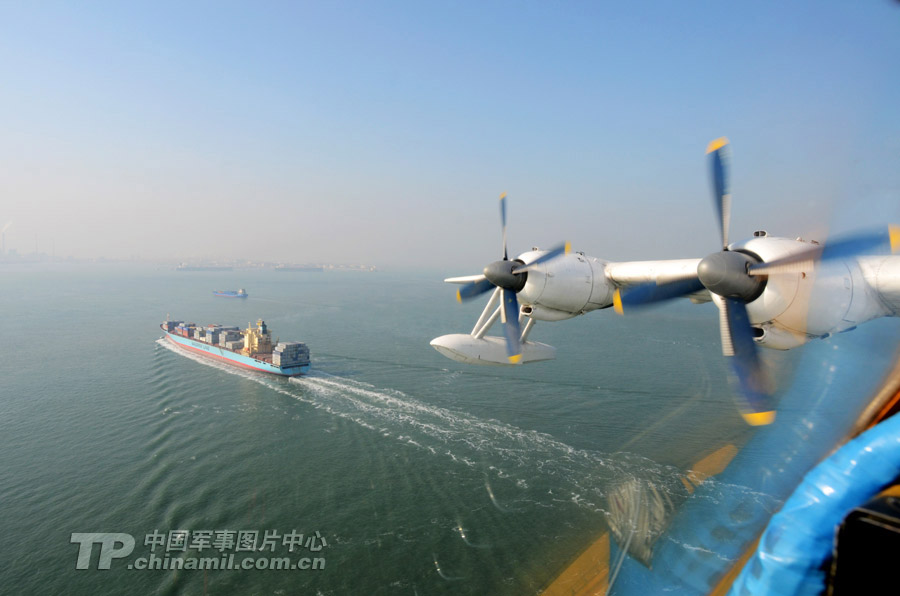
<point>383,133</point>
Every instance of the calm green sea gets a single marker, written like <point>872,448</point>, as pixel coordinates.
<point>414,474</point>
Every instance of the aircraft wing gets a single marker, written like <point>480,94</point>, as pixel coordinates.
<point>630,273</point>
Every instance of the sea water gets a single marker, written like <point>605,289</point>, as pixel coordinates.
<point>404,472</point>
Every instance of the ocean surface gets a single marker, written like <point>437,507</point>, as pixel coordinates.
<point>413,474</point>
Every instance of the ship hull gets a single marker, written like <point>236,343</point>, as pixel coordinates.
<point>233,358</point>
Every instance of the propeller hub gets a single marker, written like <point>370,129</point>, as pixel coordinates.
<point>725,273</point>
<point>500,274</point>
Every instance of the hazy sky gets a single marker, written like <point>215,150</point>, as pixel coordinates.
<point>383,132</point>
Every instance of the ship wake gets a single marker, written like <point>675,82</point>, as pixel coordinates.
<point>544,471</point>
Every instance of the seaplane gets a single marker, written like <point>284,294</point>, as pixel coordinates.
<point>771,292</point>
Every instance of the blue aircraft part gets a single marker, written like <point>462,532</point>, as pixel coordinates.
<point>799,538</point>
<point>833,383</point>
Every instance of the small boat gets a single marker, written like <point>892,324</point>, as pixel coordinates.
<point>242,293</point>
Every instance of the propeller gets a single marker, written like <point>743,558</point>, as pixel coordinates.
<point>509,277</point>
<point>735,279</point>
<point>725,274</point>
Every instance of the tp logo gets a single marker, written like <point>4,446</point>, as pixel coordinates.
<point>108,548</point>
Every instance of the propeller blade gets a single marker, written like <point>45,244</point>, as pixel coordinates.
<point>552,254</point>
<point>465,279</point>
<point>738,346</point>
<point>652,292</point>
<point>718,151</point>
<point>510,317</point>
<point>473,290</point>
<point>850,246</point>
<point>503,223</point>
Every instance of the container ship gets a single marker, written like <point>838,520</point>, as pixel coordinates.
<point>251,348</point>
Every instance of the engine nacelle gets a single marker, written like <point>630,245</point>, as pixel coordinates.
<point>781,289</point>
<point>572,284</point>
<point>777,338</point>
<point>542,313</point>
<point>823,298</point>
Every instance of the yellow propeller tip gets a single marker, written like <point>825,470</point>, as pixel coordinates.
<point>717,144</point>
<point>515,359</point>
<point>894,232</point>
<point>502,195</point>
<point>617,302</point>
<point>759,418</point>
<point>568,247</point>
<point>458,296</point>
